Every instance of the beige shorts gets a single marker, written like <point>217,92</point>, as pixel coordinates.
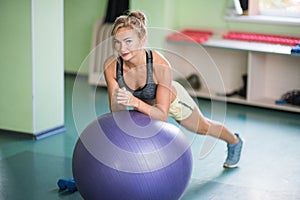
<point>183,106</point>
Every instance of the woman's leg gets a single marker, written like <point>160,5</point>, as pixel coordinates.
<point>187,113</point>
<point>197,123</point>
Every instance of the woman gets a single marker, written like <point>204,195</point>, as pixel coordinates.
<point>142,79</point>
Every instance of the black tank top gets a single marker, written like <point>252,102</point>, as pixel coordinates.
<point>148,92</point>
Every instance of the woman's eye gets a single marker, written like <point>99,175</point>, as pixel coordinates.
<point>117,43</point>
<point>129,42</point>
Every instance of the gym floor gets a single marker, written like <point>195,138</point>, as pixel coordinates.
<point>269,168</point>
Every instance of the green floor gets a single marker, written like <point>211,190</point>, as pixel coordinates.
<point>269,169</point>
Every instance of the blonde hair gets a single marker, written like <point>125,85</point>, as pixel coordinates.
<point>135,20</point>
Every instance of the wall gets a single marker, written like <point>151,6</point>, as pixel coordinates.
<point>160,19</point>
<point>15,65</point>
<point>159,13</point>
<point>79,19</point>
<point>201,14</point>
<point>47,64</point>
<point>31,65</point>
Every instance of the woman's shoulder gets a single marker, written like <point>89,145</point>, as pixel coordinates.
<point>160,59</point>
<point>110,60</point>
<point>110,63</point>
<point>161,67</point>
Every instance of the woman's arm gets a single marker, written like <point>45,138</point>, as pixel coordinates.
<point>112,85</point>
<point>119,98</point>
<point>163,76</point>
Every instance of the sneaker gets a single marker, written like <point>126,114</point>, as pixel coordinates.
<point>234,153</point>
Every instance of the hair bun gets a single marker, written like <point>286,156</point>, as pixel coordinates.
<point>139,15</point>
<point>135,20</point>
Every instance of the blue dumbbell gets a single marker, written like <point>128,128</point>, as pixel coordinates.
<point>62,184</point>
<point>69,184</point>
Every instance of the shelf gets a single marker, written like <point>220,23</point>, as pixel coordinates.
<point>219,42</point>
<point>270,103</point>
<point>248,46</point>
<point>214,96</point>
<point>263,102</point>
<point>271,69</point>
<point>263,19</point>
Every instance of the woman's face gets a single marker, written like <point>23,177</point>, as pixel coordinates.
<point>126,42</point>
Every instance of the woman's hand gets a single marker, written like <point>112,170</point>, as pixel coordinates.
<point>124,97</point>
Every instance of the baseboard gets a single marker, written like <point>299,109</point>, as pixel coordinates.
<point>37,136</point>
<point>49,132</point>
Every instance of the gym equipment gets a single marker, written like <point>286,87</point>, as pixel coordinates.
<point>190,35</point>
<point>260,37</point>
<point>67,184</point>
<point>128,155</point>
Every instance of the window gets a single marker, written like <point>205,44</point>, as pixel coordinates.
<point>283,8</point>
<point>285,12</point>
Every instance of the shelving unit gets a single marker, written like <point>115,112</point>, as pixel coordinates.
<point>271,69</point>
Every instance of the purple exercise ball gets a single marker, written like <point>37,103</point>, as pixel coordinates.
<point>128,155</point>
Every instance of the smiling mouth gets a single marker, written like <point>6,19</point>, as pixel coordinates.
<point>124,54</point>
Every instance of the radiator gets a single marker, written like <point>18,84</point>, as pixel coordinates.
<point>101,50</point>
